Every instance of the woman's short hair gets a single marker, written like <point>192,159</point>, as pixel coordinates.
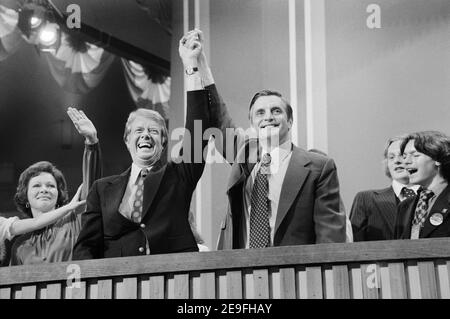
<point>150,115</point>
<point>386,149</point>
<point>21,198</point>
<point>434,144</point>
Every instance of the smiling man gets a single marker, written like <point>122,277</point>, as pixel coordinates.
<point>374,212</point>
<point>145,209</point>
<point>427,160</point>
<point>279,194</point>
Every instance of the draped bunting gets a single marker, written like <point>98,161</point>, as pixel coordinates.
<point>10,35</point>
<point>78,71</point>
<point>147,91</point>
<point>78,66</point>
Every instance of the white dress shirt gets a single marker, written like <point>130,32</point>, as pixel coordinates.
<point>280,158</point>
<point>397,187</point>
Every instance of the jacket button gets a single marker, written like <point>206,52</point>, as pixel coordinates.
<point>142,225</point>
<point>44,258</point>
<point>141,249</point>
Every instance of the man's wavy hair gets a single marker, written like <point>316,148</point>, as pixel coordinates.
<point>270,93</point>
<point>21,198</point>
<point>434,144</point>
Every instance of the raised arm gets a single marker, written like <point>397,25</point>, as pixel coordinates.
<point>23,226</point>
<point>92,163</point>
<point>219,115</point>
<point>192,162</point>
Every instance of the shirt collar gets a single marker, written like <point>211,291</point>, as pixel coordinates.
<point>279,154</point>
<point>397,187</point>
<point>438,188</point>
<point>135,171</point>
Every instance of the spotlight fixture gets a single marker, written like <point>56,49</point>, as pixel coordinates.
<point>49,37</point>
<point>31,17</point>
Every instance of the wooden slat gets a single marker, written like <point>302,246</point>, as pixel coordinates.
<point>234,284</point>
<point>319,254</point>
<point>413,280</point>
<point>370,278</point>
<point>314,282</point>
<point>385,285</point>
<point>208,285</point>
<point>29,292</point>
<point>261,283</point>
<point>92,289</point>
<point>221,282</point>
<point>302,286</point>
<point>5,293</point>
<point>328,284</point>
<point>275,283</point>
<point>77,291</point>
<point>287,283</point>
<point>54,291</point>
<point>248,290</point>
<point>428,286</point>
<point>181,282</point>
<point>170,284</point>
<point>443,279</point>
<point>397,280</point>
<point>356,282</point>
<point>156,287</point>
<point>16,292</point>
<point>341,282</point>
<point>127,288</point>
<point>104,289</point>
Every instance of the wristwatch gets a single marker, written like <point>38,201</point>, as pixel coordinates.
<point>191,70</point>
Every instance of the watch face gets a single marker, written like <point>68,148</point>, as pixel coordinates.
<point>190,70</point>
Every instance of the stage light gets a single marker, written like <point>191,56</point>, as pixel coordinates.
<point>35,22</point>
<point>31,17</point>
<point>49,37</point>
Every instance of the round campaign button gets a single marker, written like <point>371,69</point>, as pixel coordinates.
<point>436,219</point>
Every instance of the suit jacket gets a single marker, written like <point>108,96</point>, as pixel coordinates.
<point>405,217</point>
<point>373,215</point>
<point>308,210</point>
<point>168,190</point>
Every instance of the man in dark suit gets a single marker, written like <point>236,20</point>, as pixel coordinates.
<point>373,212</point>
<point>427,161</point>
<point>278,194</point>
<point>145,209</point>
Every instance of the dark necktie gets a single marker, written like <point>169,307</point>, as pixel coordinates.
<point>260,207</point>
<point>138,199</point>
<point>407,193</point>
<point>422,207</point>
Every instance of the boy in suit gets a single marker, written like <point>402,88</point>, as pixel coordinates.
<point>427,160</point>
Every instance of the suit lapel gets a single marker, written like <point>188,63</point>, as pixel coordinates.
<point>407,218</point>
<point>151,186</point>
<point>440,206</point>
<point>115,191</point>
<point>386,204</point>
<point>296,174</point>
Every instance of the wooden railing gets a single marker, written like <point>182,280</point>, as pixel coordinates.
<point>384,269</point>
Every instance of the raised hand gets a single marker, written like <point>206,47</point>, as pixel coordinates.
<point>83,125</point>
<point>189,49</point>
<point>76,200</point>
